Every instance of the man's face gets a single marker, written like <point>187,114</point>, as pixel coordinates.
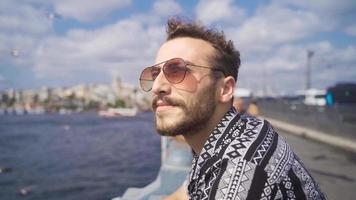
<point>186,107</point>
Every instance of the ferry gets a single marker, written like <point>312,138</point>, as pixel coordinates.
<point>117,112</point>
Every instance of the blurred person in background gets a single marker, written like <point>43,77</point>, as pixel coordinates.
<point>253,109</point>
<point>239,104</point>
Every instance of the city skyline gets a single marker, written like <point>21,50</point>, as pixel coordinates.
<point>66,43</point>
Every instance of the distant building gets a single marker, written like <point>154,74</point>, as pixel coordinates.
<point>78,97</point>
<point>43,94</point>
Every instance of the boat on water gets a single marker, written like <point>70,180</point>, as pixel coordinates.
<point>118,112</point>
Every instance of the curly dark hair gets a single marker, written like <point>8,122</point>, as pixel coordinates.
<point>227,57</point>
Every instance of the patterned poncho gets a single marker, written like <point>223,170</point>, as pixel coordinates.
<point>244,158</point>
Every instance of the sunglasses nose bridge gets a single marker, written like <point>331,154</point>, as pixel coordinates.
<point>160,83</point>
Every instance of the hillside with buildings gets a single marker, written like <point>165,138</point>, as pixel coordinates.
<point>77,98</point>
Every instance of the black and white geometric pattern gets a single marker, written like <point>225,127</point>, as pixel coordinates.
<point>244,158</point>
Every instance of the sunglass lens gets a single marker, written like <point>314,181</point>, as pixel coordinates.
<point>147,77</point>
<point>175,70</point>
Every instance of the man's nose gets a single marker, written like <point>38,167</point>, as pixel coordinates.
<point>161,84</point>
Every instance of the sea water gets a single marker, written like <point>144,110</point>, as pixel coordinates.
<point>77,156</point>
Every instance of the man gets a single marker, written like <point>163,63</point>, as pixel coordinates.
<point>236,157</point>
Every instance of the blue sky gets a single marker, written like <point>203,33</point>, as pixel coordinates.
<point>68,42</point>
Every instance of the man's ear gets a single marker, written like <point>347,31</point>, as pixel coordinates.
<point>227,89</point>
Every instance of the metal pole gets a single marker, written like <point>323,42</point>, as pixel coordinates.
<point>308,72</point>
<point>264,91</point>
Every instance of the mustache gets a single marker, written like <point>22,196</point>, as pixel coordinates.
<point>167,100</point>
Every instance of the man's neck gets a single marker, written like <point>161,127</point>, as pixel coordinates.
<point>197,140</point>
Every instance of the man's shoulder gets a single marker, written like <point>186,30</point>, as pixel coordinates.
<point>250,138</point>
<point>252,119</point>
<point>249,128</point>
<point>256,160</point>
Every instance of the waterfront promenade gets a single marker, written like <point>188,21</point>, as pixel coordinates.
<point>333,168</point>
<point>324,138</point>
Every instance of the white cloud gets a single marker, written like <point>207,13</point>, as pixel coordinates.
<point>268,41</point>
<point>283,69</point>
<point>87,11</point>
<point>283,22</point>
<point>25,26</point>
<point>218,11</point>
<point>274,25</point>
<point>324,7</point>
<point>17,49</point>
<point>274,38</point>
<point>19,17</point>
<point>22,25</point>
<point>351,30</point>
<point>336,14</point>
<point>166,8</point>
<point>126,46</point>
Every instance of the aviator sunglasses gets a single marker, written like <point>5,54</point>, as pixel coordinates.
<point>174,70</point>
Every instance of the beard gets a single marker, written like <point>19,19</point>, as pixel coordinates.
<point>197,113</point>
